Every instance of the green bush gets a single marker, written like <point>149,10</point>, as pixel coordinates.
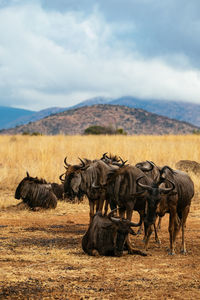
<point>97,129</point>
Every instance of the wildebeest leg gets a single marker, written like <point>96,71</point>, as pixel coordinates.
<point>99,207</point>
<point>156,234</point>
<point>141,226</point>
<point>148,231</point>
<point>159,223</point>
<point>129,213</point>
<point>172,231</point>
<point>121,212</point>
<point>91,204</point>
<point>106,207</point>
<point>183,222</point>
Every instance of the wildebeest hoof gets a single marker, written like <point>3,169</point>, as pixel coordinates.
<point>158,242</point>
<point>37,208</point>
<point>95,252</point>
<point>171,253</point>
<point>184,252</point>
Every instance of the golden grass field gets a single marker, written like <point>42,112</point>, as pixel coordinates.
<point>41,255</point>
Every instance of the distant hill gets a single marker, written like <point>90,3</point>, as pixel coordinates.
<point>133,121</point>
<point>182,111</point>
<point>11,117</point>
<point>8,114</point>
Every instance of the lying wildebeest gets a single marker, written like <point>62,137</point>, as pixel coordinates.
<point>82,180</point>
<point>177,203</point>
<point>188,166</point>
<point>36,193</point>
<point>107,235</point>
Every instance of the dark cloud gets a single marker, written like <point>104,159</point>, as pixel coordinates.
<point>158,27</point>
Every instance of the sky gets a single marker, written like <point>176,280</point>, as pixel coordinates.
<point>59,53</point>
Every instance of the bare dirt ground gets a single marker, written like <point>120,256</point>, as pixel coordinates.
<point>41,258</point>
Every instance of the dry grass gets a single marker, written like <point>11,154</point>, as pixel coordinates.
<point>41,255</point>
<point>43,155</point>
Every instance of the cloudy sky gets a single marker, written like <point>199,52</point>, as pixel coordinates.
<point>60,52</point>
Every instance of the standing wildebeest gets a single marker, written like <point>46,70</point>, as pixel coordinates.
<point>176,203</point>
<point>122,188</point>
<point>36,193</point>
<point>82,180</point>
<point>153,171</point>
<point>107,235</point>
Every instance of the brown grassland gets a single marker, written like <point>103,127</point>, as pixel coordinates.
<point>41,255</point>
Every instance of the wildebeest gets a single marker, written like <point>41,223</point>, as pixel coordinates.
<point>58,190</point>
<point>107,235</point>
<point>176,203</point>
<point>153,194</point>
<point>82,180</point>
<point>188,166</point>
<point>153,171</point>
<point>121,186</point>
<point>36,193</point>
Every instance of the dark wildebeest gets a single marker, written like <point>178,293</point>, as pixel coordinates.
<point>82,180</point>
<point>176,203</point>
<point>153,171</point>
<point>36,193</point>
<point>107,235</point>
<point>122,188</point>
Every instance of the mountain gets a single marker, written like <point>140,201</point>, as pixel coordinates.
<point>132,120</point>
<point>8,114</point>
<point>11,117</point>
<point>92,101</point>
<point>182,111</point>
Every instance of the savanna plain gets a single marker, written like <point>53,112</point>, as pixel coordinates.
<point>40,252</point>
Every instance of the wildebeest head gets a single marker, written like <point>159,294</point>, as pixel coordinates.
<point>72,179</point>
<point>150,169</point>
<point>153,194</point>
<point>113,160</point>
<point>122,229</point>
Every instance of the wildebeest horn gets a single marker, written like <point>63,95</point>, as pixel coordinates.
<point>104,155</point>
<point>164,168</point>
<point>95,186</point>
<point>111,212</point>
<point>83,164</point>
<point>115,220</point>
<point>123,162</point>
<point>144,186</point>
<point>27,174</point>
<point>66,164</point>
<point>129,223</point>
<point>60,177</point>
<point>167,190</point>
<point>147,169</point>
